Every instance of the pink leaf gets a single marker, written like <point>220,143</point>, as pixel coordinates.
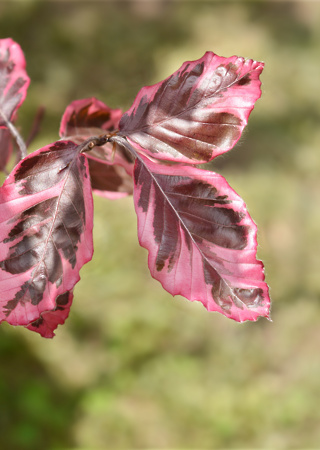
<point>88,116</point>
<point>14,80</point>
<point>110,172</point>
<point>46,230</point>
<point>49,320</point>
<point>201,240</point>
<point>197,113</point>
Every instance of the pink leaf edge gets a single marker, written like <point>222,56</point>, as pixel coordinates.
<point>49,320</point>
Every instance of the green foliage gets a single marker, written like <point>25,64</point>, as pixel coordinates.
<point>133,368</point>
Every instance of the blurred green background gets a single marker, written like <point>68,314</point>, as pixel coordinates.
<point>132,367</point>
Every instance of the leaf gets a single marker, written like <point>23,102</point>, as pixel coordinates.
<point>49,320</point>
<point>197,113</point>
<point>110,181</point>
<point>14,80</point>
<point>111,173</point>
<point>88,116</point>
<point>201,240</point>
<point>46,223</point>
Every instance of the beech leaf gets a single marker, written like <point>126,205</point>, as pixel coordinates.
<point>110,170</point>
<point>88,116</point>
<point>110,181</point>
<point>46,217</point>
<point>196,113</point>
<point>201,240</point>
<point>14,80</point>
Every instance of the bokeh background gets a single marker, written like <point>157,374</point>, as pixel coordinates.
<point>133,367</point>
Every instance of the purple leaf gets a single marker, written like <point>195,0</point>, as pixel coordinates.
<point>46,231</point>
<point>201,240</point>
<point>88,116</point>
<point>197,113</point>
<point>49,320</point>
<point>110,172</point>
<point>110,181</point>
<point>14,80</point>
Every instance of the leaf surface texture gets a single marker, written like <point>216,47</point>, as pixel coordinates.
<point>46,220</point>
<point>201,239</point>
<point>197,113</point>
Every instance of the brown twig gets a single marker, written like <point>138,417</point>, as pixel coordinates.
<point>15,133</point>
<point>36,125</point>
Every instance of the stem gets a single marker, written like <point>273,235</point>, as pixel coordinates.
<point>93,141</point>
<point>15,133</point>
<point>122,141</point>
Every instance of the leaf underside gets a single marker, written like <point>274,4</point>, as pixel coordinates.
<point>84,115</point>
<point>46,232</point>
<point>201,239</point>
<point>197,113</point>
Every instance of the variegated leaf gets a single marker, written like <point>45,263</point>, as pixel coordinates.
<point>197,113</point>
<point>46,223</point>
<point>201,240</point>
<point>14,80</point>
